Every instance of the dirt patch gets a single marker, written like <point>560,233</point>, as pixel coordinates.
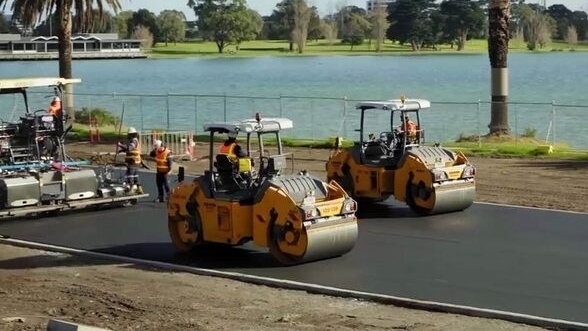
<point>37,286</point>
<point>544,183</point>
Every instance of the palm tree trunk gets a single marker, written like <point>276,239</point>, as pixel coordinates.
<point>498,38</point>
<point>65,56</point>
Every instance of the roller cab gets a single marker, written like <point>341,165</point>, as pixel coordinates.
<point>298,217</point>
<point>429,179</point>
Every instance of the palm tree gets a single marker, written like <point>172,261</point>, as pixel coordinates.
<point>498,37</point>
<point>30,12</point>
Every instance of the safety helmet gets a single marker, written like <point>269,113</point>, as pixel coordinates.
<point>56,99</point>
<point>232,134</point>
<point>132,130</point>
<point>157,143</point>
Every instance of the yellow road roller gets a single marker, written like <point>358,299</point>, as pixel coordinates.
<point>429,179</point>
<point>298,216</point>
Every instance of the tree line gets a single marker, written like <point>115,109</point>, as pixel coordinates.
<point>418,23</point>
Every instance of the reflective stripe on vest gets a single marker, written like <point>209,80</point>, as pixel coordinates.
<point>134,156</point>
<point>228,150</point>
<point>161,160</point>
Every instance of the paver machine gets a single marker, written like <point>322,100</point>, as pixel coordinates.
<point>299,217</point>
<point>429,179</point>
<point>36,176</point>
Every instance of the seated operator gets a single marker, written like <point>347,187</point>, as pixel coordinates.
<point>231,148</point>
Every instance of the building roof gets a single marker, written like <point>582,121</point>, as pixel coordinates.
<point>103,37</point>
<point>41,41</point>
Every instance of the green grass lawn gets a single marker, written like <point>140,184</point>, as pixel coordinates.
<point>324,47</point>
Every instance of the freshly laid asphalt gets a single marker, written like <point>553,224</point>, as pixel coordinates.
<point>514,259</point>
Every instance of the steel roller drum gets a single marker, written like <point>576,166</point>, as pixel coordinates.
<point>326,239</point>
<point>453,196</point>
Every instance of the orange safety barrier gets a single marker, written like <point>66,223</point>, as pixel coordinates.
<point>94,131</point>
<point>190,150</point>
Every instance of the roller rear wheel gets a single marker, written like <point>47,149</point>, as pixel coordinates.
<point>279,240</point>
<point>413,193</point>
<point>185,231</point>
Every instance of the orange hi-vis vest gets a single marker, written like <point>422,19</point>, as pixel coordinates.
<point>134,156</point>
<point>161,160</point>
<point>411,126</point>
<point>54,108</point>
<point>229,150</point>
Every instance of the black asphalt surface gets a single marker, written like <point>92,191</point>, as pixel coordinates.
<point>520,260</point>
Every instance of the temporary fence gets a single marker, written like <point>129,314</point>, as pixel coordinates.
<point>181,143</point>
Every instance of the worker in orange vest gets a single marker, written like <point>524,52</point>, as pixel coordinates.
<point>407,125</point>
<point>231,148</point>
<point>55,106</point>
<point>164,163</point>
<point>132,150</point>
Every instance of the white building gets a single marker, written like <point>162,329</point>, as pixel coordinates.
<point>371,4</point>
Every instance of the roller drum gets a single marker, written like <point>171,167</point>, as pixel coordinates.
<point>453,197</point>
<point>330,240</point>
<point>325,239</point>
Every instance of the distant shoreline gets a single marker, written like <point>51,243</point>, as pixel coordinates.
<point>259,48</point>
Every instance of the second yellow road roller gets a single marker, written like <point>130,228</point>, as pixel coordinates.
<point>429,179</point>
<point>298,216</point>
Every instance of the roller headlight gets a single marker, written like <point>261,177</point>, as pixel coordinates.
<point>311,213</point>
<point>350,206</point>
<point>469,171</point>
<point>439,175</point>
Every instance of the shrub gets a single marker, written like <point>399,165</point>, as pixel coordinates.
<point>101,115</point>
<point>530,133</point>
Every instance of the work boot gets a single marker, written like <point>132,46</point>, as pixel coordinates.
<point>159,199</point>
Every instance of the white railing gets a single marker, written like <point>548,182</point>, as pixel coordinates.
<point>180,143</point>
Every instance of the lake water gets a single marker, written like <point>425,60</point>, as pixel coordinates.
<point>183,94</point>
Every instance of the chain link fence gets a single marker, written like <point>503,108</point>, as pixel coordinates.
<point>319,118</point>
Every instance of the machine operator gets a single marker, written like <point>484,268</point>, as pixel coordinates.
<point>55,106</point>
<point>231,148</point>
<point>407,125</point>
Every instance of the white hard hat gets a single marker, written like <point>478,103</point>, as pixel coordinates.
<point>232,134</point>
<point>56,99</point>
<point>157,143</point>
<point>132,130</point>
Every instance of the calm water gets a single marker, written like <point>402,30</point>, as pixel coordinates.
<point>293,87</point>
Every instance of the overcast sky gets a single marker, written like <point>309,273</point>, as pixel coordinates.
<point>265,7</point>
